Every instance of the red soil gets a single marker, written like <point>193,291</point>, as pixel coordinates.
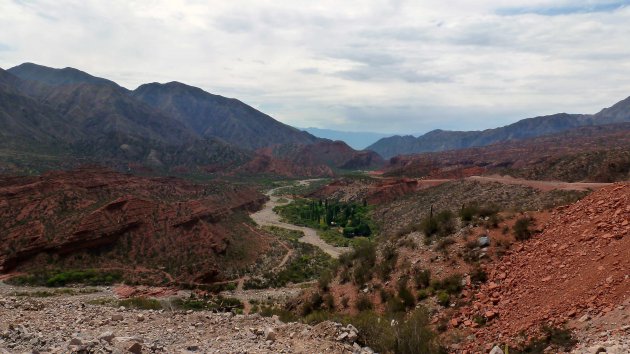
<point>578,265</point>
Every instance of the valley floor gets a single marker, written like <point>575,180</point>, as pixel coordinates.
<point>267,217</point>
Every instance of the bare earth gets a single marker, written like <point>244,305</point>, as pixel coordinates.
<point>544,186</point>
<point>267,217</point>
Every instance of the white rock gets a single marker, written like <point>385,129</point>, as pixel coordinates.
<point>496,350</point>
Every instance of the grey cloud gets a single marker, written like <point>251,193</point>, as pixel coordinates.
<point>310,71</point>
<point>384,74</point>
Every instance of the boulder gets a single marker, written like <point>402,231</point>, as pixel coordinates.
<point>270,334</point>
<point>496,350</point>
<point>483,241</point>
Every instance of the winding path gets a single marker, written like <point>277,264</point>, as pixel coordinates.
<point>267,217</point>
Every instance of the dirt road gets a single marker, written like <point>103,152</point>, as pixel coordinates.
<point>540,185</point>
<point>267,217</point>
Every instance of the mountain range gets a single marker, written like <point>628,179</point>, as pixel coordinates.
<point>64,116</point>
<point>357,140</point>
<point>442,140</point>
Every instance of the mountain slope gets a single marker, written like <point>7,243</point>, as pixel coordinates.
<point>25,122</point>
<point>591,153</point>
<point>102,122</point>
<point>440,140</point>
<point>215,116</point>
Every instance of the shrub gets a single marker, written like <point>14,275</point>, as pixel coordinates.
<point>62,278</point>
<point>468,212</point>
<point>478,275</point>
<point>423,294</point>
<point>363,258</point>
<point>521,229</point>
<point>443,298</point>
<point>324,280</point>
<point>363,303</point>
<point>329,301</point>
<point>415,336</point>
<point>375,331</point>
<point>444,243</point>
<point>406,297</point>
<point>395,305</point>
<point>422,278</point>
<point>388,262</point>
<point>141,303</point>
<point>284,315</point>
<point>451,284</point>
<point>442,224</point>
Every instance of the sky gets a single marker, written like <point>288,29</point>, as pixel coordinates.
<point>395,66</point>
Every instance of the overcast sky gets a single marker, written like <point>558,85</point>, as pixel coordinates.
<point>385,66</point>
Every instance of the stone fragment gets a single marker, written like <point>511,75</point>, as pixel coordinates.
<point>270,334</point>
<point>496,350</point>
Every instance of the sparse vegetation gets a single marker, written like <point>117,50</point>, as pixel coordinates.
<point>308,263</point>
<point>558,338</point>
<point>141,303</point>
<point>521,229</point>
<point>61,278</point>
<point>441,224</point>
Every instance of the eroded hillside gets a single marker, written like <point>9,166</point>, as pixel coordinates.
<point>172,230</point>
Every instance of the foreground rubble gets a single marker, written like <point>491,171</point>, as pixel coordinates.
<point>71,324</point>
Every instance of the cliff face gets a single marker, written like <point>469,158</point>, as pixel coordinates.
<point>98,218</point>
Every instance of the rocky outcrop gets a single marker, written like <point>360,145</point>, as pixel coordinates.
<point>152,221</point>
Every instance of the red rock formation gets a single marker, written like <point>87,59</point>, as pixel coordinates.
<point>99,218</point>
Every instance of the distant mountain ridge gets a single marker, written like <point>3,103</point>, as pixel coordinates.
<point>63,117</point>
<point>441,140</point>
<point>356,140</point>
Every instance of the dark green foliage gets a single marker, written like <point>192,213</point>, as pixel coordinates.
<point>422,278</point>
<point>218,304</point>
<point>389,257</point>
<point>451,284</point>
<point>61,278</point>
<point>323,214</point>
<point>141,303</point>
<point>521,229</point>
<point>408,333</point>
<point>363,303</point>
<point>314,303</point>
<point>406,296</point>
<point>470,211</point>
<point>283,315</point>
<point>395,305</point>
<point>441,224</point>
<point>478,275</point>
<point>443,298</point>
<point>363,259</point>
